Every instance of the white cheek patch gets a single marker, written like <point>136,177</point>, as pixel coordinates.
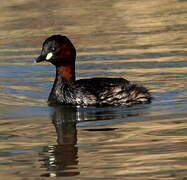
<point>49,56</point>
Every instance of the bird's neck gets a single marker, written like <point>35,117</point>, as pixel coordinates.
<point>64,82</point>
<point>66,72</point>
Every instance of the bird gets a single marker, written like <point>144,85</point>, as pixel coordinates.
<point>98,91</point>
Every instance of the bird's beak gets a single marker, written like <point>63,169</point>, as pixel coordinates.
<point>40,59</point>
<point>47,57</point>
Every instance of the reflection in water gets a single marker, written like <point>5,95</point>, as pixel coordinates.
<point>62,159</point>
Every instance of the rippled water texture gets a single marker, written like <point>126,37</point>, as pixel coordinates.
<point>143,41</point>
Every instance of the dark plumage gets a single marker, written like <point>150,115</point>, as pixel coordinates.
<point>59,51</point>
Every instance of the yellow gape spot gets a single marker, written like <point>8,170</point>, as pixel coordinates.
<point>49,56</point>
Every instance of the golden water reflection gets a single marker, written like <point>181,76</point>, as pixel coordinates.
<point>150,148</point>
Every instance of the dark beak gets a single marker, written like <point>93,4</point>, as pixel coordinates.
<point>40,59</point>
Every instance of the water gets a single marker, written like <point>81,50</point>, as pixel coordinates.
<point>143,41</point>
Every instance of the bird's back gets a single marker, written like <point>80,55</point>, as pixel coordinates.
<point>111,91</point>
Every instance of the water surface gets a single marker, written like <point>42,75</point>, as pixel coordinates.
<point>143,41</point>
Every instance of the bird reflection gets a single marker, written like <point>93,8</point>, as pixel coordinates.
<point>62,159</point>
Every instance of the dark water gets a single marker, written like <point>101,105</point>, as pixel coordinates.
<point>143,41</point>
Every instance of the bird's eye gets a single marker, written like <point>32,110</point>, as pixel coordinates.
<point>53,48</point>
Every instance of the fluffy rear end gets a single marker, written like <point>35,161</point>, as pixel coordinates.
<point>138,95</point>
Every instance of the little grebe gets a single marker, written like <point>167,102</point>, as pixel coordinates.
<point>59,51</point>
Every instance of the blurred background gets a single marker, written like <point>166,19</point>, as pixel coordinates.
<point>142,41</point>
